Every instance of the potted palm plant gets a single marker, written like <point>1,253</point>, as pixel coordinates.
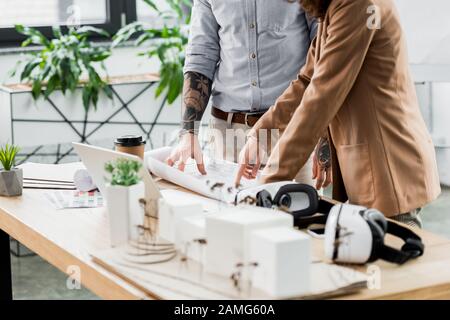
<point>11,178</point>
<point>123,191</point>
<point>66,95</point>
<point>168,44</point>
<point>63,61</point>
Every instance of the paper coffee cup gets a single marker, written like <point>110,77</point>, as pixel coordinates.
<point>131,144</point>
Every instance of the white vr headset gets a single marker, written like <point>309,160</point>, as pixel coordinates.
<point>355,234</point>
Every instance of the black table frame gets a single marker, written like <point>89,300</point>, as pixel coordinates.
<point>5,268</point>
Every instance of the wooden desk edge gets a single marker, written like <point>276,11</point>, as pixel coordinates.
<point>108,285</point>
<point>101,282</point>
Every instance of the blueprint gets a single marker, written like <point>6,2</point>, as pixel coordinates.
<point>218,184</point>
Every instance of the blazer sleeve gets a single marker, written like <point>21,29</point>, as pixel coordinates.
<point>334,75</point>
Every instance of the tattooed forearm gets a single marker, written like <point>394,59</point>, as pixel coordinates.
<point>196,93</point>
<point>323,153</point>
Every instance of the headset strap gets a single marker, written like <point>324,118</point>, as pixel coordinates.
<point>412,248</point>
<point>325,206</point>
<point>305,222</point>
<point>319,217</point>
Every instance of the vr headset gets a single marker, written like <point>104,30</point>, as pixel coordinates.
<point>355,234</point>
<point>300,200</point>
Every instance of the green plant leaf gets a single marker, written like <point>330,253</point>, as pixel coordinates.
<point>86,97</point>
<point>8,155</point>
<point>62,61</point>
<point>29,67</point>
<point>57,31</point>
<point>98,56</point>
<point>176,84</point>
<point>108,91</point>
<point>36,89</point>
<point>90,29</point>
<point>51,86</point>
<point>152,4</point>
<point>123,172</point>
<point>127,32</point>
<point>35,36</point>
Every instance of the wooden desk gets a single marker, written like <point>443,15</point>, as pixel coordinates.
<point>65,237</point>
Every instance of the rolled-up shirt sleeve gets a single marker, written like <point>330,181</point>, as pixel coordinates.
<point>203,51</point>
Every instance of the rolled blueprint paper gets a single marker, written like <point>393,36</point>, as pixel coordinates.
<point>83,181</point>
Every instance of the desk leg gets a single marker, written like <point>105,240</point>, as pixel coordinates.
<point>5,268</point>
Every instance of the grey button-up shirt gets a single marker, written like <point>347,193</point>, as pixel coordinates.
<point>251,49</point>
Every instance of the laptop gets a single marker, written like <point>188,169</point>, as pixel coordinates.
<point>95,158</point>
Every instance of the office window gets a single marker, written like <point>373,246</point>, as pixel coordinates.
<point>110,15</point>
<point>52,12</point>
<point>145,13</point>
<point>42,14</point>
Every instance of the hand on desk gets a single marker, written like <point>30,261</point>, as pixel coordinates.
<point>188,147</point>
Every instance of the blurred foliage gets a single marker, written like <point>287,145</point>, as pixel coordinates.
<point>62,63</point>
<point>124,172</point>
<point>167,43</point>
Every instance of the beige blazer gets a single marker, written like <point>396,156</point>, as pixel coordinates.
<point>356,85</point>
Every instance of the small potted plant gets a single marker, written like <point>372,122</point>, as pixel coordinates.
<point>11,178</point>
<point>123,191</point>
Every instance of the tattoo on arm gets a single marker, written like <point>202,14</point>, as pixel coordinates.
<point>323,153</point>
<point>196,93</point>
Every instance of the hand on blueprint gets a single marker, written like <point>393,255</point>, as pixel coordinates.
<point>188,147</point>
<point>249,160</point>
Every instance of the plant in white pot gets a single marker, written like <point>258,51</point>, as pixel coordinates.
<point>11,178</point>
<point>123,192</point>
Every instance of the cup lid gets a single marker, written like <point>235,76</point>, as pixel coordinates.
<point>129,141</point>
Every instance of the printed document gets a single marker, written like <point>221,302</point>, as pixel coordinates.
<point>217,184</point>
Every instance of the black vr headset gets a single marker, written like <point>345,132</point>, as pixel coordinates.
<point>300,200</point>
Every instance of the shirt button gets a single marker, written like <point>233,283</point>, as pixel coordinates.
<point>252,25</point>
<point>253,55</point>
<point>254,83</point>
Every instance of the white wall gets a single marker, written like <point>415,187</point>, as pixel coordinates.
<point>427,26</point>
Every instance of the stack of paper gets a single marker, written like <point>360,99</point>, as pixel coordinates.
<point>49,176</point>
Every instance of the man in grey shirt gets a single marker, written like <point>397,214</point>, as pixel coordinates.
<point>242,54</point>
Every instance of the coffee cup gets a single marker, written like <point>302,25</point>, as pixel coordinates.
<point>131,144</point>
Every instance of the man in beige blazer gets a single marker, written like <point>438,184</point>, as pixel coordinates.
<point>355,88</point>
